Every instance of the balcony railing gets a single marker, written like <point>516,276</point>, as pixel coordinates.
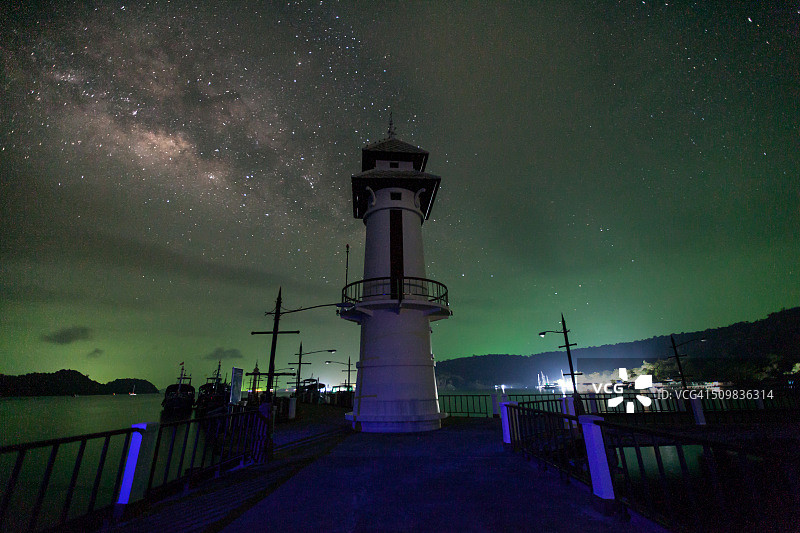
<point>406,288</point>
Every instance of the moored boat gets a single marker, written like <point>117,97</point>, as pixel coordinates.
<point>179,396</point>
<point>214,393</point>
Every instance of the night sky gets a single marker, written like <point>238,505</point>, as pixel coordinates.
<point>166,166</point>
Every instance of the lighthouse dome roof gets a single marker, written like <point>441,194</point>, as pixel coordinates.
<point>393,149</point>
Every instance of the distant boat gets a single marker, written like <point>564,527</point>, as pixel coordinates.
<point>214,394</point>
<point>133,392</point>
<point>179,396</point>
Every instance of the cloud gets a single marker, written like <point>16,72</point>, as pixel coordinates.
<point>94,354</point>
<point>68,335</point>
<point>69,244</point>
<point>222,353</point>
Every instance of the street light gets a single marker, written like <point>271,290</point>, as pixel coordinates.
<point>300,363</point>
<point>678,356</point>
<point>276,317</point>
<point>347,382</point>
<point>576,397</point>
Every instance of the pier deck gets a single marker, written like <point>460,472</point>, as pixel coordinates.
<point>459,478</point>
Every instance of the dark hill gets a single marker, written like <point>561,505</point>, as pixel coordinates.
<point>68,383</point>
<point>126,385</point>
<point>745,351</point>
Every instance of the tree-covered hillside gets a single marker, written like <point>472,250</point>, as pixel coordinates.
<point>745,352</point>
<point>68,383</point>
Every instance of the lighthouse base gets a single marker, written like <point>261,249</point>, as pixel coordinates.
<point>396,424</point>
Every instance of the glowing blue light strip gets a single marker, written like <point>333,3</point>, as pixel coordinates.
<point>130,464</point>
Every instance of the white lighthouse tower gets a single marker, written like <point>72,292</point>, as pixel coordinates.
<point>395,302</point>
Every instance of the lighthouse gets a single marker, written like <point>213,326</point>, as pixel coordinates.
<point>395,301</point>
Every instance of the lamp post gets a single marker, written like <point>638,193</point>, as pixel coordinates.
<point>300,363</point>
<point>347,382</point>
<point>276,317</point>
<point>276,314</point>
<point>576,397</point>
<point>678,356</point>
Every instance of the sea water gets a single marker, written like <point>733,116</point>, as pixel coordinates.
<point>49,417</point>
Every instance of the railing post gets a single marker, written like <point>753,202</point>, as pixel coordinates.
<point>659,404</point>
<point>568,405</point>
<point>262,441</point>
<point>504,415</point>
<point>568,408</point>
<point>681,404</point>
<point>592,402</point>
<point>602,485</point>
<point>137,466</point>
<point>697,410</point>
<point>495,406</point>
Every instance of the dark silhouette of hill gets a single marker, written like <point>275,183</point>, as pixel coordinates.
<point>742,352</point>
<point>68,383</point>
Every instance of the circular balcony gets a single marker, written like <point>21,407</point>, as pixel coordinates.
<point>406,291</point>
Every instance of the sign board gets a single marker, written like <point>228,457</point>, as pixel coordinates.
<point>237,374</point>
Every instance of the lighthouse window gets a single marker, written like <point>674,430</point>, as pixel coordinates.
<point>395,196</point>
<point>394,164</point>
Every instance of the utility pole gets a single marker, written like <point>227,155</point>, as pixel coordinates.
<point>678,356</point>
<point>575,395</point>
<point>299,369</point>
<point>572,374</point>
<point>300,362</point>
<point>275,322</point>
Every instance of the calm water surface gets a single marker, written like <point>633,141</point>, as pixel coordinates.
<point>49,417</point>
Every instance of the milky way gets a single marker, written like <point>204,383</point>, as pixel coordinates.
<point>167,166</point>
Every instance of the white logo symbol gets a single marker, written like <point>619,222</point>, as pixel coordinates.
<point>641,382</point>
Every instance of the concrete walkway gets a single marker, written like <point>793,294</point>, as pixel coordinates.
<point>459,478</point>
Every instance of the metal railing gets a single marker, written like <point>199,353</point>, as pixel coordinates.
<point>465,404</point>
<point>552,437</point>
<point>405,288</point>
<point>50,482</point>
<point>673,410</point>
<point>684,482</point>
<point>662,410</point>
<point>523,398</point>
<point>696,484</point>
<point>782,406</point>
<point>206,445</point>
<point>76,482</point>
<point>551,405</point>
<point>481,404</point>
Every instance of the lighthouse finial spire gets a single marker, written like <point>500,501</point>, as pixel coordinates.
<point>391,125</point>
